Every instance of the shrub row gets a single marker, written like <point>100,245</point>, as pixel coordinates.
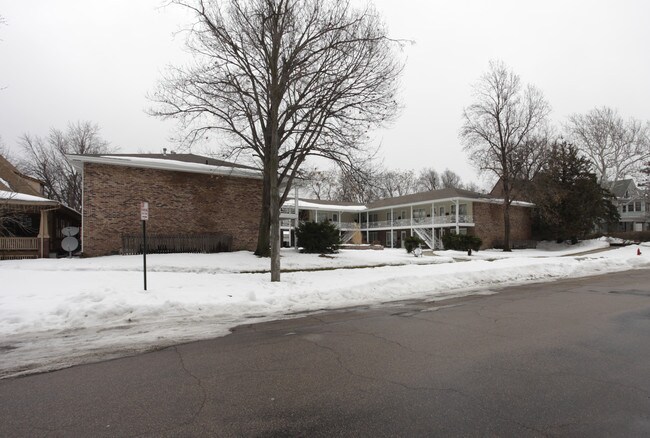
<point>461,242</point>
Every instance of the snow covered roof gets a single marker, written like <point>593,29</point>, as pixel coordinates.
<point>318,204</point>
<point>4,183</point>
<point>21,198</point>
<point>399,201</point>
<point>175,162</point>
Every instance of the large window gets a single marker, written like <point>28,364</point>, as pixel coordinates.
<point>632,207</point>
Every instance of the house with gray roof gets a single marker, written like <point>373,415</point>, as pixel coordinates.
<point>31,225</point>
<point>632,205</point>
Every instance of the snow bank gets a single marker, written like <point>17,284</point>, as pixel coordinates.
<point>59,312</point>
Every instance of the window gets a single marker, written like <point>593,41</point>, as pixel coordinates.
<point>462,209</point>
<point>637,206</point>
<point>419,213</point>
<point>388,218</point>
<point>442,211</point>
<point>335,217</point>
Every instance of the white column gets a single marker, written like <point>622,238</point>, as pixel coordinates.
<point>433,224</point>
<point>368,228</point>
<point>316,211</point>
<point>392,219</point>
<point>457,227</point>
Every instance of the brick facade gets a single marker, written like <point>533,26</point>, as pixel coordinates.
<point>179,203</point>
<point>489,225</point>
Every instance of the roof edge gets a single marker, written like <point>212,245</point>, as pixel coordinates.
<point>167,164</point>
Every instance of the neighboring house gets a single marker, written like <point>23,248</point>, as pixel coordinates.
<point>428,215</point>
<point>632,205</point>
<point>190,197</point>
<point>30,224</point>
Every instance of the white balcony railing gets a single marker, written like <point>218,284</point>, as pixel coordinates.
<point>398,223</point>
<point>423,221</point>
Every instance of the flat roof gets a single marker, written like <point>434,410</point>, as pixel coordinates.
<point>174,162</point>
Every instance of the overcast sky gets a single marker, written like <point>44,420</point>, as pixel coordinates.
<point>70,60</point>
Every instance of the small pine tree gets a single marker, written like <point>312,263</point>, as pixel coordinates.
<point>412,242</point>
<point>318,237</point>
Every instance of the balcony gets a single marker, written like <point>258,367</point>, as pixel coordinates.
<point>343,226</point>
<point>422,222</point>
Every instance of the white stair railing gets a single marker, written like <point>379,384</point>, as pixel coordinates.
<point>347,236</point>
<point>428,237</point>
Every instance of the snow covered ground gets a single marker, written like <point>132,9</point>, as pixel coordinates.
<point>55,313</point>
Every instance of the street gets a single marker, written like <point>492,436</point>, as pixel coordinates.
<point>568,358</point>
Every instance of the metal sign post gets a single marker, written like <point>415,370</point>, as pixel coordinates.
<point>144,216</point>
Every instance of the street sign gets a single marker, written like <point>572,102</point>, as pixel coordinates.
<point>144,211</point>
<point>144,216</point>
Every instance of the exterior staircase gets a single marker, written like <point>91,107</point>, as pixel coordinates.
<point>428,237</point>
<point>347,236</point>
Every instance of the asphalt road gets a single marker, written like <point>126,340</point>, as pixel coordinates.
<point>570,358</point>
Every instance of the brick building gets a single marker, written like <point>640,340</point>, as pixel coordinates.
<point>187,194</point>
<point>428,215</point>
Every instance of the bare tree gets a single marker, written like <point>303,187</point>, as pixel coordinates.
<point>321,184</point>
<point>397,182</point>
<point>428,179</point>
<point>617,148</point>
<point>4,150</point>
<point>285,79</point>
<point>45,159</point>
<point>498,124</point>
<point>450,179</point>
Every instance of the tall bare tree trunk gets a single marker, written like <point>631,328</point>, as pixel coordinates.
<point>275,220</point>
<point>263,242</point>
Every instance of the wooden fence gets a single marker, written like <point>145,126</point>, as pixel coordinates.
<point>175,243</point>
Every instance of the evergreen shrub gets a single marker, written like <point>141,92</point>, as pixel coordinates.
<point>318,237</point>
<point>461,242</point>
<point>412,242</point>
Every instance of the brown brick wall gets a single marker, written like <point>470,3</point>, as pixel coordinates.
<point>179,202</point>
<point>488,220</point>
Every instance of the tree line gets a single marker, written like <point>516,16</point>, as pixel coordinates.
<point>365,185</point>
<point>506,133</point>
